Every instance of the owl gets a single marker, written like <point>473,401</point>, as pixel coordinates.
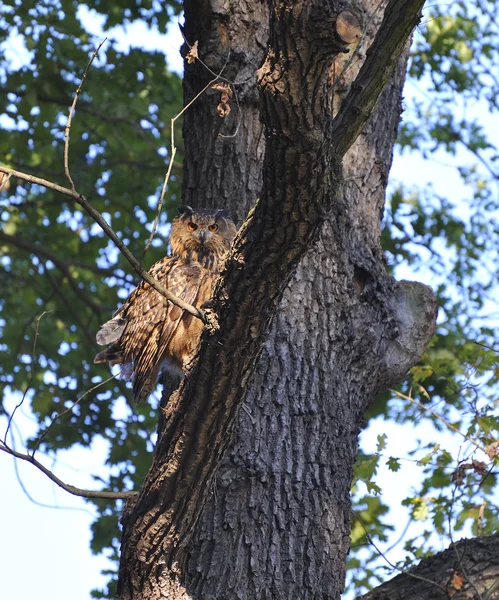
<point>148,331</point>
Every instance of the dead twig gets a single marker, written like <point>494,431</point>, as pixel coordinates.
<point>30,379</point>
<point>71,113</point>
<point>393,566</point>
<point>65,486</point>
<point>69,409</point>
<point>439,417</point>
<point>173,152</point>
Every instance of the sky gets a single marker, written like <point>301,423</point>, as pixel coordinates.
<point>53,531</point>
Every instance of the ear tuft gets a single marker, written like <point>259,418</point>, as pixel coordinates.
<point>222,213</point>
<point>185,209</point>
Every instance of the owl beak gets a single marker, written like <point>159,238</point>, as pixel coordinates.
<point>202,236</point>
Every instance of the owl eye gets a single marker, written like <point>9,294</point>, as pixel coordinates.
<point>213,227</point>
<point>191,226</point>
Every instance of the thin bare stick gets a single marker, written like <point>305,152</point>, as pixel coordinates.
<point>71,113</point>
<point>31,376</point>
<point>69,409</point>
<point>24,488</point>
<point>439,417</point>
<point>65,486</point>
<point>393,566</point>
<point>486,347</point>
<point>226,61</point>
<point>99,219</point>
<point>232,85</point>
<point>173,152</point>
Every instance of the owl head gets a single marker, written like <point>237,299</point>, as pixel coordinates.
<point>201,233</point>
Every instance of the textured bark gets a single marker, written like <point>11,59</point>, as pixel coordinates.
<point>276,522</point>
<point>224,157</point>
<point>468,570</point>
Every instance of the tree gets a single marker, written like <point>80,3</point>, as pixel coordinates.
<point>287,476</point>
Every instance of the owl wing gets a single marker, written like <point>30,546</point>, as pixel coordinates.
<point>142,330</point>
<point>150,331</point>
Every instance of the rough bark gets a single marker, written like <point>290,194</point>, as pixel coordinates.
<point>224,157</point>
<point>276,524</point>
<point>468,570</point>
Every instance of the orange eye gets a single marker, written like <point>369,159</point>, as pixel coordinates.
<point>213,227</point>
<point>191,226</point>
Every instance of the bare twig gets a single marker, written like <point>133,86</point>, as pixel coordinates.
<point>406,572</point>
<point>439,417</point>
<point>173,152</point>
<point>24,488</point>
<point>486,347</point>
<point>30,379</point>
<point>232,84</point>
<point>70,116</point>
<point>65,486</point>
<point>4,182</point>
<point>99,219</point>
<point>69,409</point>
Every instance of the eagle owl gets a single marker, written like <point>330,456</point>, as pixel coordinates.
<point>148,330</point>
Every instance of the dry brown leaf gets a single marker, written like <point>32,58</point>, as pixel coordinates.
<point>456,583</point>
<point>192,55</point>
<point>223,107</point>
<point>224,88</point>
<point>492,450</point>
<point>479,467</point>
<point>459,474</point>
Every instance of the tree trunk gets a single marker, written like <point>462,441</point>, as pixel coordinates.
<point>275,523</point>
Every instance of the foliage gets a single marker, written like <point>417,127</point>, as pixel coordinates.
<point>56,262</point>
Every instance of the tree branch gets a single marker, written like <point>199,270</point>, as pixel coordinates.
<point>65,486</point>
<point>99,219</point>
<point>436,577</point>
<point>71,113</point>
<point>400,19</point>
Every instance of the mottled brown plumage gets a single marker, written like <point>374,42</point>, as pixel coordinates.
<point>148,330</point>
